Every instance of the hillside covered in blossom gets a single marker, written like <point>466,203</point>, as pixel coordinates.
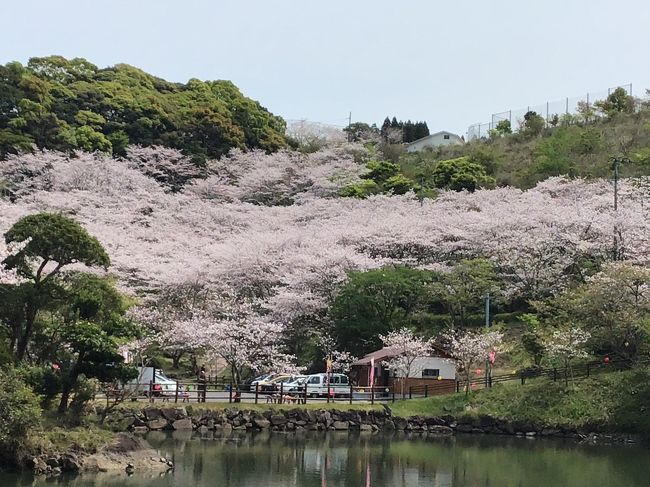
<point>271,233</point>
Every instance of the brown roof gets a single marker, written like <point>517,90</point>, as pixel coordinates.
<point>389,352</point>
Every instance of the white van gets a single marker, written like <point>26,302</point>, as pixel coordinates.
<point>317,385</point>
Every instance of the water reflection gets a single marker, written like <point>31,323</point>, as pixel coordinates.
<point>329,460</point>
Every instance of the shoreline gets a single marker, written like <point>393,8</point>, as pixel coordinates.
<point>227,420</point>
<point>128,450</point>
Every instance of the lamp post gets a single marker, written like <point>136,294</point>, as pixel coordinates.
<point>616,164</point>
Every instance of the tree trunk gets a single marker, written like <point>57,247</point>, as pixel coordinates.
<point>23,338</point>
<point>69,384</point>
<point>176,359</point>
<point>235,384</point>
<point>65,397</point>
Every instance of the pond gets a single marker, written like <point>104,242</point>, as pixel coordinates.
<point>318,459</point>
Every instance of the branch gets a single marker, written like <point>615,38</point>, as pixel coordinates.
<point>37,277</point>
<point>51,274</point>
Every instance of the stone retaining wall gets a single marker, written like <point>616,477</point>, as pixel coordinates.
<point>203,420</point>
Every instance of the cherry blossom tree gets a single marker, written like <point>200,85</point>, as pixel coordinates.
<point>293,259</point>
<point>409,351</point>
<point>470,348</point>
<point>342,360</point>
<point>566,345</point>
<point>167,166</point>
<point>313,136</point>
<point>244,339</point>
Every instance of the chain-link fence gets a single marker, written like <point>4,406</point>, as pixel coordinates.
<point>553,112</point>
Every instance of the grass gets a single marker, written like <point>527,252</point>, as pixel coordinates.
<point>53,437</point>
<point>617,401</point>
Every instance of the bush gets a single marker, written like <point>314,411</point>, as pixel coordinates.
<point>461,174</point>
<point>20,412</point>
<point>43,381</point>
<point>84,393</point>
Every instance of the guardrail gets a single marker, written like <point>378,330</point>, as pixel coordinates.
<point>215,391</point>
<point>566,374</point>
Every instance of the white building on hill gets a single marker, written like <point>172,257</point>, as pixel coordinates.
<point>434,140</point>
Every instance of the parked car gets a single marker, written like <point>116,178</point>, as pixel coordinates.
<point>273,384</point>
<point>317,385</point>
<point>249,385</point>
<point>297,384</point>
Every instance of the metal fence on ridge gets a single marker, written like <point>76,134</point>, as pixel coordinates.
<point>548,110</point>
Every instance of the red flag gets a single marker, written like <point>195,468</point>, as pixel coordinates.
<point>493,356</point>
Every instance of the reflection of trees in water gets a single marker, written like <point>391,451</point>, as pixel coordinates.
<point>312,459</point>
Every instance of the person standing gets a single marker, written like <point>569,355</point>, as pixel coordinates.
<point>203,384</point>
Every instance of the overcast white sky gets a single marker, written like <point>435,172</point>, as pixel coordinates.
<point>451,63</point>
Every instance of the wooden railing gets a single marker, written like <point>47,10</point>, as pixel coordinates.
<point>216,390</point>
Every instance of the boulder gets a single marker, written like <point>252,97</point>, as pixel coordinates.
<point>182,424</point>
<point>69,462</point>
<point>262,423</point>
<point>341,425</point>
<point>437,429</point>
<point>172,414</point>
<point>152,413</point>
<point>157,424</point>
<point>551,432</point>
<point>365,427</point>
<point>278,419</point>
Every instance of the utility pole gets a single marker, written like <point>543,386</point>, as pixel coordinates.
<point>349,128</point>
<point>616,163</point>
<point>487,327</point>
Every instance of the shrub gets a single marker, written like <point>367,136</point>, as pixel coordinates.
<point>43,381</point>
<point>20,412</point>
<point>461,174</point>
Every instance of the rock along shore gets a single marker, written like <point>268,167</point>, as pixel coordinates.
<point>128,453</point>
<point>226,421</point>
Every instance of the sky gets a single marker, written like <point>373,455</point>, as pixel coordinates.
<point>449,63</point>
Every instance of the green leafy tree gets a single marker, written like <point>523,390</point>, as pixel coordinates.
<point>62,104</point>
<point>47,243</point>
<point>380,171</point>
<point>554,155</point>
<point>92,328</point>
<point>533,124</point>
<point>361,189</point>
<point>504,127</point>
<point>400,184</point>
<point>462,290</point>
<point>376,302</point>
<point>613,306</point>
<point>532,340</point>
<point>618,101</point>
<point>461,174</point>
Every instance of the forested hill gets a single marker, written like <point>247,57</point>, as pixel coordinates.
<point>62,104</point>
